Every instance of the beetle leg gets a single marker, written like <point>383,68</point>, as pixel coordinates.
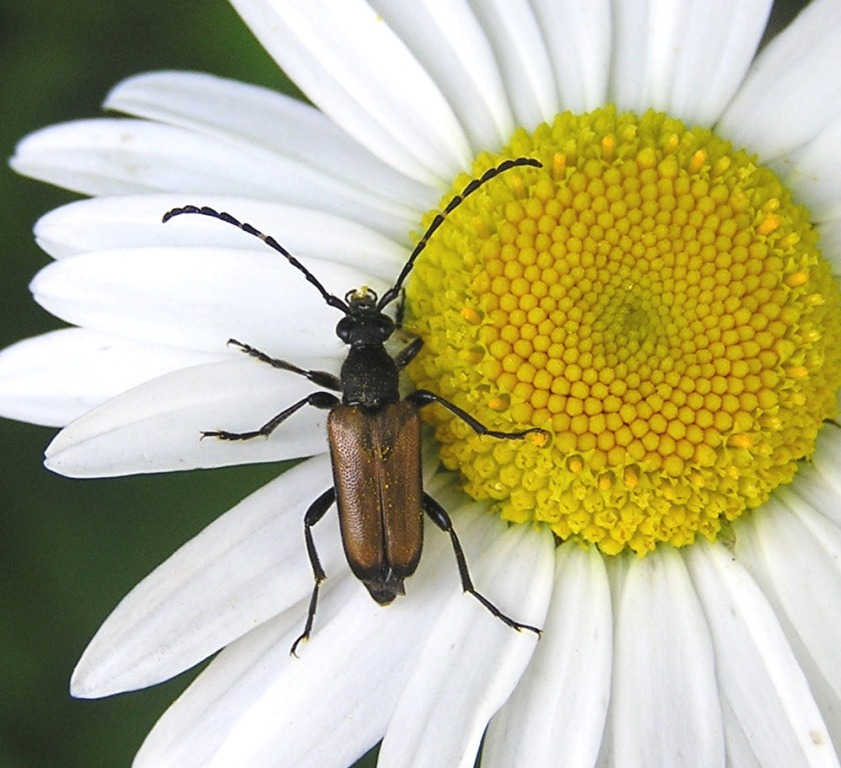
<point>324,400</point>
<point>314,514</point>
<point>439,516</point>
<point>408,353</point>
<point>423,397</point>
<point>321,378</point>
<point>400,310</point>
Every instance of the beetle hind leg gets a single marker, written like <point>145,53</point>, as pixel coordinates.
<point>439,516</point>
<point>316,511</point>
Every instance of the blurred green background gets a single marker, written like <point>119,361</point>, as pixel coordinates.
<point>69,550</point>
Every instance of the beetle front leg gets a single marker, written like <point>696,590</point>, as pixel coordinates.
<point>409,352</point>
<point>320,378</point>
<point>423,397</point>
<point>439,516</point>
<point>314,514</point>
<point>324,400</point>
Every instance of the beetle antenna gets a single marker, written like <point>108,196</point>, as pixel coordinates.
<point>332,300</point>
<point>392,293</point>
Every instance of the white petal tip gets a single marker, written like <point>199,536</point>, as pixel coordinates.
<point>82,686</point>
<point>53,461</point>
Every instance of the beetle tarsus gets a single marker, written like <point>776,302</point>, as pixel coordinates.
<point>501,616</point>
<point>305,635</point>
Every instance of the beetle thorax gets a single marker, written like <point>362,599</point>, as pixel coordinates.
<point>369,377</point>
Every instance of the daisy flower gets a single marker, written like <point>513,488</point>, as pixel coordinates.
<point>660,296</point>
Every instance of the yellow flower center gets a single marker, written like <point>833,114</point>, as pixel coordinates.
<point>651,297</point>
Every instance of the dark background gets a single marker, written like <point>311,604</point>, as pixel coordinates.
<point>69,550</point>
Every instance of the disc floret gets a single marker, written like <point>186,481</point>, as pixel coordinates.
<point>654,299</point>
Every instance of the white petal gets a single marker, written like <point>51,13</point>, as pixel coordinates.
<point>631,83</point>
<point>795,554</point>
<point>448,41</point>
<point>124,156</point>
<point>739,750</point>
<point>472,661</point>
<point>578,39</point>
<point>556,715</point>
<point>830,242</point>
<point>811,171</point>
<point>522,57</point>
<point>243,569</point>
<point>820,481</point>
<point>686,58</point>
<point>352,65</point>
<point>198,298</point>
<point>327,708</point>
<point>156,427</point>
<point>253,115</point>
<point>119,156</point>
<point>664,684</point>
<point>193,729</point>
<point>128,221</point>
<point>715,43</point>
<point>758,675</point>
<point>790,94</point>
<point>55,378</point>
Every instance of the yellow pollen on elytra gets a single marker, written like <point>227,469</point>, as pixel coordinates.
<point>656,302</point>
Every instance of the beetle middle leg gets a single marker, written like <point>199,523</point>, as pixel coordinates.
<point>323,400</point>
<point>316,511</point>
<point>439,516</point>
<point>423,397</point>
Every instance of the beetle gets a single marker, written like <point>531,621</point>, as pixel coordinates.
<point>374,435</point>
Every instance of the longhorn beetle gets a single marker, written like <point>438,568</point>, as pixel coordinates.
<point>373,434</point>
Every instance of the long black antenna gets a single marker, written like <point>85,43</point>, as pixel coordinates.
<point>332,300</point>
<point>392,293</point>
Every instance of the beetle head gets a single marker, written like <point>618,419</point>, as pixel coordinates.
<point>364,323</point>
